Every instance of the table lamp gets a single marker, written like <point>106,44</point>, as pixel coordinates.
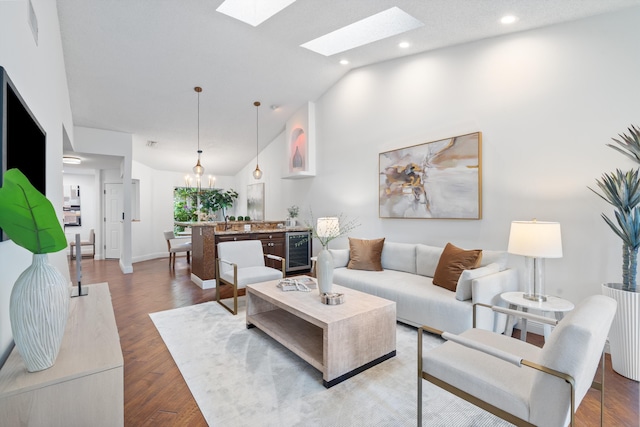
<point>535,240</point>
<point>327,228</point>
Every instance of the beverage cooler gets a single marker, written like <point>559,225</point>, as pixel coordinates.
<point>298,251</point>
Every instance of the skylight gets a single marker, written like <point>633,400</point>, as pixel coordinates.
<point>376,27</point>
<point>252,12</point>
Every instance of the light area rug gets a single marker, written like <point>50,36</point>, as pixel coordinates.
<point>242,377</point>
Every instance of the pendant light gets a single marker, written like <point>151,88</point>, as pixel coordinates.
<point>257,174</point>
<point>198,169</point>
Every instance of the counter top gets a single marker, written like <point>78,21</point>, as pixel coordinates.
<point>264,230</point>
<point>237,227</point>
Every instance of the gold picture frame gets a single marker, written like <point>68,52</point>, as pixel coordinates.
<point>434,180</point>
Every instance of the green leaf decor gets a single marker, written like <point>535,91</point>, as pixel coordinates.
<point>28,217</point>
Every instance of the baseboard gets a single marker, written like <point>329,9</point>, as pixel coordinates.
<point>204,284</point>
<point>151,256</point>
<point>126,269</point>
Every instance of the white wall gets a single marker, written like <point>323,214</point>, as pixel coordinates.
<point>39,75</point>
<point>112,143</point>
<point>546,101</point>
<point>156,209</point>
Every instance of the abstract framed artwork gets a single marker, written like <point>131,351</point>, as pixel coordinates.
<point>439,179</point>
<point>255,201</point>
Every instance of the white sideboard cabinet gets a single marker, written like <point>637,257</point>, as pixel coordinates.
<point>85,387</point>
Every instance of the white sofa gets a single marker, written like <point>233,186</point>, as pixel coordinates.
<point>407,279</point>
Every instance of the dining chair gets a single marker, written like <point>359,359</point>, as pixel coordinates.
<point>176,245</point>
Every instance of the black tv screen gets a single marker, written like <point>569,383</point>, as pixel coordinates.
<point>23,139</point>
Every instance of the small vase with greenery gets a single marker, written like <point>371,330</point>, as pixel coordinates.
<point>330,228</point>
<point>293,214</point>
<point>39,303</point>
<point>621,189</point>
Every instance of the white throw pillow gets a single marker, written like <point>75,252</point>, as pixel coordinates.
<point>498,257</point>
<point>340,257</point>
<point>427,258</point>
<point>463,289</point>
<point>399,256</point>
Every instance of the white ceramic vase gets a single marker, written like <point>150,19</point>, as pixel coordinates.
<point>324,271</point>
<point>38,309</point>
<point>624,336</point>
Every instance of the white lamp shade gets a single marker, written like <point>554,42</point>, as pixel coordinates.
<point>536,239</point>
<point>328,227</point>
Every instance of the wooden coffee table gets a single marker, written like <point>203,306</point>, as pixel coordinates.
<point>338,340</point>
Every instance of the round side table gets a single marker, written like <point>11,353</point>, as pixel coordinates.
<point>555,305</point>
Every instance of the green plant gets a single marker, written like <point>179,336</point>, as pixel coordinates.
<point>185,202</point>
<point>232,218</point>
<point>247,218</point>
<point>241,218</point>
<point>622,191</point>
<point>28,217</point>
<point>216,200</point>
<point>293,211</point>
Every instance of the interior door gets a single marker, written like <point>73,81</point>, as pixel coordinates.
<point>114,210</point>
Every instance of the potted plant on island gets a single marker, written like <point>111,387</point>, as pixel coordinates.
<point>216,200</point>
<point>39,303</point>
<point>293,214</point>
<point>622,191</point>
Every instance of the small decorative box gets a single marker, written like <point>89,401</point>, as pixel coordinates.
<point>332,298</point>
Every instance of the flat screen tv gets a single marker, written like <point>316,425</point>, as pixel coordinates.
<point>23,139</point>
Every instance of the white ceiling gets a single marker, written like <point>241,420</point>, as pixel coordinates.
<point>132,65</point>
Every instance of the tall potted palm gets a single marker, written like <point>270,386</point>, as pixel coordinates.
<point>622,191</point>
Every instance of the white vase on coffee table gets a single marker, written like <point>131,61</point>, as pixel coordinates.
<point>324,271</point>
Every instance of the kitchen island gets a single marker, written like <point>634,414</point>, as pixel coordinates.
<point>291,243</point>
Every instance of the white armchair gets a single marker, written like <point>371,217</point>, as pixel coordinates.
<point>519,382</point>
<point>240,263</point>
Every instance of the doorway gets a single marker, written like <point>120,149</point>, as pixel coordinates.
<point>114,215</point>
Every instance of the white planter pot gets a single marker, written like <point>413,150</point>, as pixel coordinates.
<point>624,336</point>
<point>38,310</point>
<point>324,271</point>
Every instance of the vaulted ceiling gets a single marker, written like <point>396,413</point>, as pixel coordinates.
<point>132,65</point>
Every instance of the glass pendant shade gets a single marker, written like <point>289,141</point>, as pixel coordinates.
<point>257,174</point>
<point>198,169</point>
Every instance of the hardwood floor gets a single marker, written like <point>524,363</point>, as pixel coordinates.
<point>154,390</point>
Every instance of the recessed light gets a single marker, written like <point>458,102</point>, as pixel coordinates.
<point>508,19</point>
<point>252,12</point>
<point>380,26</point>
<point>69,160</point>
<point>404,45</point>
<point>344,62</point>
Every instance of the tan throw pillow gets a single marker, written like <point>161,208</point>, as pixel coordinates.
<point>452,263</point>
<point>365,254</point>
